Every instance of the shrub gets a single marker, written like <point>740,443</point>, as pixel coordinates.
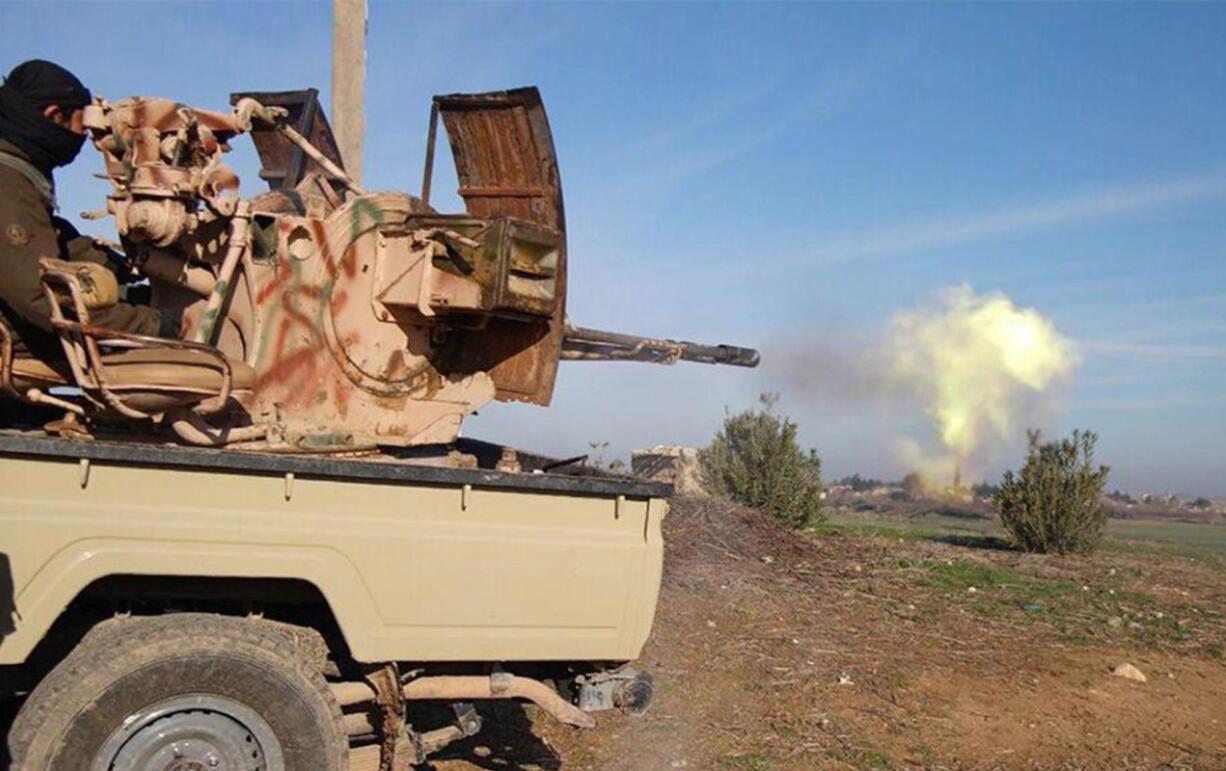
<point>985,490</point>
<point>860,484</point>
<point>1054,503</point>
<point>756,461</point>
<point>913,486</point>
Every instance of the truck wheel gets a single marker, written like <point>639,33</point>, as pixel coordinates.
<point>182,692</point>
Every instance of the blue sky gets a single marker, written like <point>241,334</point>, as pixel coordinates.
<point>793,175</point>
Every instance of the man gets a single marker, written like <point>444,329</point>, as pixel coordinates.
<point>42,128</point>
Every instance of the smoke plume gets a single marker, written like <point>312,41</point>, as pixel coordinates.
<point>979,368</point>
<point>979,365</point>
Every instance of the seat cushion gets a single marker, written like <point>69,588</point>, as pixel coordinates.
<point>172,369</point>
<point>99,288</point>
<point>35,373</point>
<point>149,379</point>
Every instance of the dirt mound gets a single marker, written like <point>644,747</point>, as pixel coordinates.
<point>708,534</point>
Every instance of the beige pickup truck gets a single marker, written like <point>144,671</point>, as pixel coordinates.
<point>185,608</point>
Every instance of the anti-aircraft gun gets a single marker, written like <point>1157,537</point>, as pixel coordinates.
<point>284,607</point>
<point>320,316</point>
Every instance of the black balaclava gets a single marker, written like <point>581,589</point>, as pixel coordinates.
<point>29,89</point>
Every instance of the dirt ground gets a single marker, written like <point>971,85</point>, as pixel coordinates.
<point>776,650</point>
<point>866,648</point>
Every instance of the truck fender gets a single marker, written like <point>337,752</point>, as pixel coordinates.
<point>79,564</point>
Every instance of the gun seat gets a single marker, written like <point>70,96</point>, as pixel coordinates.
<point>27,373</point>
<point>150,379</point>
<point>134,375</point>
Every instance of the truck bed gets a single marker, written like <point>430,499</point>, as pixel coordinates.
<point>416,563</point>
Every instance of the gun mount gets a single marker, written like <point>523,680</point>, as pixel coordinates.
<point>320,316</point>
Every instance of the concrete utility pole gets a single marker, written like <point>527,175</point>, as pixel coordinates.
<point>349,82</point>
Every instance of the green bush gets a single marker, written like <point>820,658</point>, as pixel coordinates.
<point>860,484</point>
<point>755,460</point>
<point>985,490</point>
<point>1054,503</point>
<point>913,487</point>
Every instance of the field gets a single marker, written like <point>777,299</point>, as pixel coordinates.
<point>1123,535</point>
<point>910,642</point>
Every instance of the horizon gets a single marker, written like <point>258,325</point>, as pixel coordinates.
<point>791,177</point>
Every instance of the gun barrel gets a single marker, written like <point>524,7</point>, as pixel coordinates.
<point>582,344</point>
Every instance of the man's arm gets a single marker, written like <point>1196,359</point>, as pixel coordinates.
<point>27,234</point>
<point>75,247</point>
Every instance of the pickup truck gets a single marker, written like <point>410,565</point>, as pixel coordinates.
<point>168,607</point>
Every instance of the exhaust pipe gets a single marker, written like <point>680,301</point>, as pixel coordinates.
<point>499,685</point>
<point>626,689</point>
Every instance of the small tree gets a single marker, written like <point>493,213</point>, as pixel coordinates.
<point>1054,503</point>
<point>860,484</point>
<point>913,485</point>
<point>756,461</point>
<point>985,490</point>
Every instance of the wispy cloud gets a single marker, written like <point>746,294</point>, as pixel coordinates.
<point>751,113</point>
<point>773,114</point>
<point>720,108</point>
<point>1154,350</point>
<point>1144,404</point>
<point>1137,325</point>
<point>1090,307</point>
<point>731,122</point>
<point>1033,216</point>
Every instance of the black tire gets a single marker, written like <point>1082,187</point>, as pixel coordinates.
<point>243,675</point>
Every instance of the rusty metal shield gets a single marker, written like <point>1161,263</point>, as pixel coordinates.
<point>506,166</point>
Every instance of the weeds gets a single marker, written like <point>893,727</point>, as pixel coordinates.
<point>862,759</point>
<point>1079,614</point>
<point>755,762</point>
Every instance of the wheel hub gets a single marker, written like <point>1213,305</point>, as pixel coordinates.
<point>192,733</point>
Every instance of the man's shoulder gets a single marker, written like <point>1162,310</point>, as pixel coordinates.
<point>23,208</point>
<point>19,193</point>
<point>18,177</point>
<point>9,148</point>
<point>13,181</point>
<point>21,187</point>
